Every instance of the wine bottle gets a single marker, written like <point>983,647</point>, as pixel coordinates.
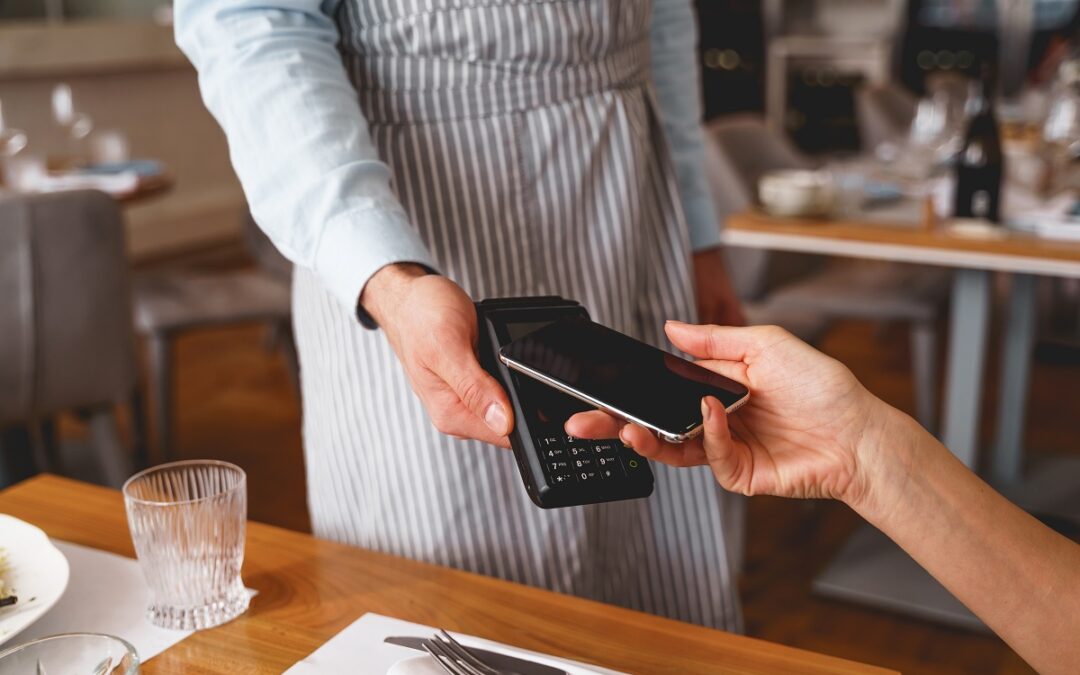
<point>980,166</point>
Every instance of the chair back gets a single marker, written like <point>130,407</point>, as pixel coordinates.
<point>740,150</point>
<point>66,336</point>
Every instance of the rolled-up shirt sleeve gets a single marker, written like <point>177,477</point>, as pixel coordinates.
<point>678,87</point>
<point>271,74</point>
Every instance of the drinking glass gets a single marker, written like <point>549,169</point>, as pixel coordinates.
<point>187,522</point>
<point>71,654</point>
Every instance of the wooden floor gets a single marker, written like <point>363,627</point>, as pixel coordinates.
<point>235,402</point>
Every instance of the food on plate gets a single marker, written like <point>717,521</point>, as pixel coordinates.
<point>7,593</point>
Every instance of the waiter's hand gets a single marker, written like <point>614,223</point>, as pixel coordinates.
<point>431,325</point>
<point>809,430</point>
<point>717,302</point>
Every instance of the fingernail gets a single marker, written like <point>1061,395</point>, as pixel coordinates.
<point>622,437</point>
<point>676,322</point>
<point>495,418</point>
<point>706,410</point>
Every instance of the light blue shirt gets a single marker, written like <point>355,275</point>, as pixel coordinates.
<point>271,75</point>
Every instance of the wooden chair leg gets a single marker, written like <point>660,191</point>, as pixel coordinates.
<point>140,436</point>
<point>17,454</point>
<point>924,371</point>
<point>111,455</point>
<point>40,445</point>
<point>160,363</point>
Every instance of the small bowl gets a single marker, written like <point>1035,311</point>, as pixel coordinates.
<point>796,193</point>
<point>71,654</point>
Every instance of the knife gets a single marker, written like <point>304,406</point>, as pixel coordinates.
<point>491,659</point>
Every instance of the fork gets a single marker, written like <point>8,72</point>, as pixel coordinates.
<point>455,659</point>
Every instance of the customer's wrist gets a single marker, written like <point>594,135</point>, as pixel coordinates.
<point>388,288</point>
<point>886,457</point>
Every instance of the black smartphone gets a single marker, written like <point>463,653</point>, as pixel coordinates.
<point>622,376</point>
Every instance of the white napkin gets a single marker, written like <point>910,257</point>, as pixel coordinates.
<point>1050,218</point>
<point>106,594</point>
<point>360,650</point>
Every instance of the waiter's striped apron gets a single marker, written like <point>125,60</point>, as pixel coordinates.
<point>524,145</point>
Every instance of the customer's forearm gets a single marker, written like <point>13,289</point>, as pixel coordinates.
<point>1021,578</point>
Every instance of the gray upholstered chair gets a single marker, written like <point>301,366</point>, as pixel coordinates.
<point>174,301</point>
<point>66,340</point>
<point>794,290</point>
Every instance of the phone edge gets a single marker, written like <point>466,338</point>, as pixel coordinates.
<point>585,398</point>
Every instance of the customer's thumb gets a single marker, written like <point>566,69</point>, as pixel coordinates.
<point>719,448</point>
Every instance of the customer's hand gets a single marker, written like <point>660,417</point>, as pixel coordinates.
<point>717,302</point>
<point>811,430</point>
<point>804,432</point>
<point>431,325</point>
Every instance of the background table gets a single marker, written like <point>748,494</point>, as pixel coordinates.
<point>870,568</point>
<point>148,187</point>
<point>310,589</point>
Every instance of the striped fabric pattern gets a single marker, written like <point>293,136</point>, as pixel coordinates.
<point>524,146</point>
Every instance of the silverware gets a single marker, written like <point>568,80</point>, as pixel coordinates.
<point>455,659</point>
<point>500,663</point>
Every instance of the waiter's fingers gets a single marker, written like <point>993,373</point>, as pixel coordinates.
<point>475,388</point>
<point>646,444</point>
<point>594,424</point>
<point>597,424</point>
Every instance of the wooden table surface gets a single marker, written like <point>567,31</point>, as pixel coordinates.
<point>310,589</point>
<point>1009,251</point>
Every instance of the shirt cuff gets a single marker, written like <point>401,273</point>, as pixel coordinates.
<point>701,220</point>
<point>356,245</point>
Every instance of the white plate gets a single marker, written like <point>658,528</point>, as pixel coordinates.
<point>416,665</point>
<point>36,571</point>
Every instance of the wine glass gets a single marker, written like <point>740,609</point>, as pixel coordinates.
<point>11,140</point>
<point>1061,130</point>
<point>74,128</point>
<point>1062,126</point>
<point>77,124</point>
<point>930,137</point>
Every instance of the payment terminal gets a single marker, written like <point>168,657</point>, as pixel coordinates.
<point>557,469</point>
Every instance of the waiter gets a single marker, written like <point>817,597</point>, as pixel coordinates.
<point>413,155</point>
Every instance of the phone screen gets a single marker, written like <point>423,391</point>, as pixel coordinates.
<point>636,379</point>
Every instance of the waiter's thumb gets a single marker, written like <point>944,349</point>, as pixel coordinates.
<point>480,393</point>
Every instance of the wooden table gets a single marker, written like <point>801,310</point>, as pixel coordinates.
<point>1011,251</point>
<point>870,568</point>
<point>147,188</point>
<point>310,589</point>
